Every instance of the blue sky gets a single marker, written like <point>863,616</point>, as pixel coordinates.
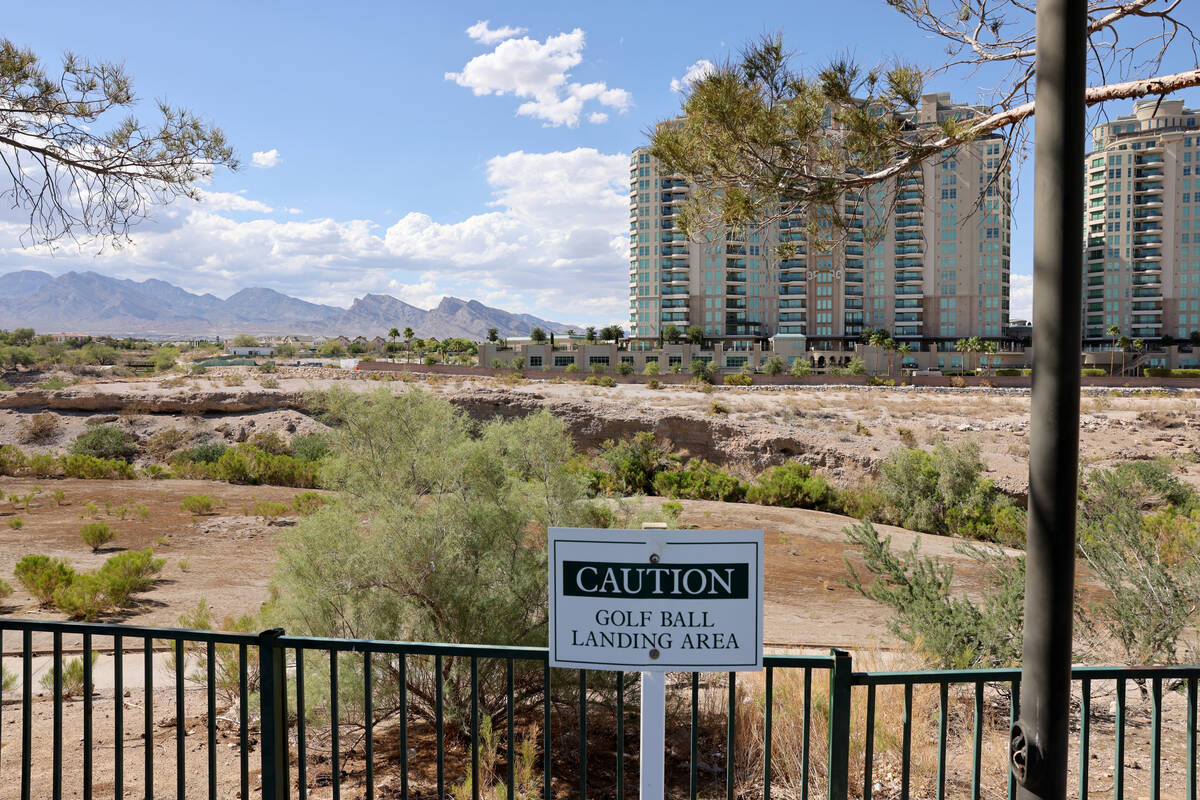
<point>406,148</point>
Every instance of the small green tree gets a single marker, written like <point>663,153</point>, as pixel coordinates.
<point>695,334</point>
<point>245,340</point>
<point>773,366</point>
<point>950,632</point>
<point>671,333</point>
<point>538,336</point>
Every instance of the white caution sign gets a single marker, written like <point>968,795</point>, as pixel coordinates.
<point>656,600</point>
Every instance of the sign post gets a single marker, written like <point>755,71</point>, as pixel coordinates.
<point>656,601</point>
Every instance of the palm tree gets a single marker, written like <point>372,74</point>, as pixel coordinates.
<point>590,333</point>
<point>393,334</point>
<point>408,336</point>
<point>903,350</point>
<point>878,337</point>
<point>961,346</point>
<point>1138,347</point>
<point>1114,332</point>
<point>990,349</point>
<point>890,346</point>
<point>1124,343</point>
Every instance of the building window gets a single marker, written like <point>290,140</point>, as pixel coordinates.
<point>564,361</point>
<point>535,361</point>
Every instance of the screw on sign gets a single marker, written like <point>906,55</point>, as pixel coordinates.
<point>655,601</point>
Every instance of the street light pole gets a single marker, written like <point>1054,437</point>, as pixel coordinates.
<point>1039,738</point>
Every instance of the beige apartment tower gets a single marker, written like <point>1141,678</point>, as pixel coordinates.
<point>939,273</point>
<point>1142,225</point>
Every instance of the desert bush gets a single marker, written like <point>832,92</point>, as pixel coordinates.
<point>84,597</point>
<point>59,497</point>
<point>949,632</point>
<point>41,575</point>
<point>6,589</point>
<point>43,465</point>
<point>773,366</point>
<point>226,663</point>
<point>701,370</point>
<point>204,453</point>
<point>700,480</point>
<point>234,380</point>
<point>97,534</point>
<point>128,573</point>
<point>634,462</point>
<point>716,407</point>
<point>248,464</point>
<point>16,524</point>
<point>198,504</point>
<point>941,492</point>
<point>12,460</point>
<point>92,468</point>
<point>572,367</point>
<point>39,428</point>
<point>53,383</point>
<point>906,437</point>
<point>738,379</point>
<point>270,442</point>
<point>654,383</point>
<point>625,368</point>
<point>651,368</point>
<point>105,442</point>
<point>162,445</point>
<point>310,446</point>
<point>307,503</point>
<point>72,676</point>
<point>269,510</point>
<point>269,383</point>
<point>793,486</point>
<point>156,472</point>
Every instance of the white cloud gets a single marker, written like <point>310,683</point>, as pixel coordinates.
<point>481,33</point>
<point>554,243</point>
<point>265,158</point>
<point>539,73</point>
<point>1022,297</point>
<point>232,201</point>
<point>597,117</point>
<point>697,71</point>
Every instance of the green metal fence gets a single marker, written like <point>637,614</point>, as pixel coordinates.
<point>132,711</point>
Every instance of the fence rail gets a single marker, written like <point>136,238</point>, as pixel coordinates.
<point>172,712</point>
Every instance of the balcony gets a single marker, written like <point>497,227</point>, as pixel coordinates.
<point>735,302</point>
<point>908,277</point>
<point>908,316</point>
<point>1147,255</point>
<point>911,195</point>
<point>735,277</point>
<point>910,222</point>
<point>735,291</point>
<point>790,277</point>
<point>786,291</point>
<point>909,249</point>
<point>909,290</point>
<point>853,250</point>
<point>793,316</point>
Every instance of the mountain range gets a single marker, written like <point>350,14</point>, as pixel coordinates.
<point>87,302</point>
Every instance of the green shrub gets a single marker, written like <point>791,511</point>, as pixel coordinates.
<point>651,368</point>
<point>572,367</point>
<point>97,534</point>
<point>84,597</point>
<point>739,379</point>
<point>44,465</point>
<point>269,510</point>
<point>793,486</point>
<point>308,503</point>
<point>269,443</point>
<point>941,492</point>
<point>945,627</point>
<point>12,460</point>
<point>205,453</point>
<point>1161,372</point>
<point>72,676</point>
<point>92,468</point>
<point>156,472</point>
<point>106,442</point>
<point>5,589</point>
<point>654,383</point>
<point>1008,372</point>
<point>165,443</point>
<point>310,446</point>
<point>635,462</point>
<point>700,480</point>
<point>1092,372</point>
<point>41,575</point>
<point>128,573</point>
<point>606,381</point>
<point>53,383</point>
<point>773,366</point>
<point>625,368</point>
<point>16,524</point>
<point>198,504</point>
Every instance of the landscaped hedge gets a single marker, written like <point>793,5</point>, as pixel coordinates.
<point>1162,372</point>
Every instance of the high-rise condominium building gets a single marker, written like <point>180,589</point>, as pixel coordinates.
<point>1141,268</point>
<point>939,273</point>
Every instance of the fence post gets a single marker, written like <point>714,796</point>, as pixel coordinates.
<point>839,725</point>
<point>272,687</point>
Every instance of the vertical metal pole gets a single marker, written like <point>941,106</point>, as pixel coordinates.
<point>272,693</point>
<point>839,726</point>
<point>653,734</point>
<point>1041,733</point>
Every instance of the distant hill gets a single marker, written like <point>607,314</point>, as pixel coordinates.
<point>87,302</point>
